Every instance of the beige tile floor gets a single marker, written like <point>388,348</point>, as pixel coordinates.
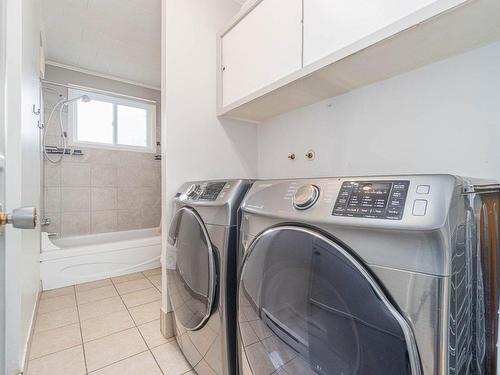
<point>106,327</point>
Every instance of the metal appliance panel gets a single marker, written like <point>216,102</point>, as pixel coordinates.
<point>431,261</point>
<point>211,347</point>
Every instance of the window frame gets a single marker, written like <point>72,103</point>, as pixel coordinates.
<point>150,108</point>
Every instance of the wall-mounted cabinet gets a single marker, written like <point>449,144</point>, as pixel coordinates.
<point>258,51</point>
<point>330,25</point>
<point>279,55</point>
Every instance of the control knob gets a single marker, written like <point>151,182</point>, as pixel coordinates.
<point>305,197</point>
<point>193,190</point>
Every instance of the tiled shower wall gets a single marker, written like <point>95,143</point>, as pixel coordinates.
<point>101,191</point>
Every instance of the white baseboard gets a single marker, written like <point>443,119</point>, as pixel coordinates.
<point>27,346</point>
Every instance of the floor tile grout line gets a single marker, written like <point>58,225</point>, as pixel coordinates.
<point>82,343</point>
<point>83,320</point>
<point>50,312</point>
<point>81,336</point>
<point>120,360</point>
<point>122,330</point>
<point>35,331</point>
<point>97,300</point>
<point>59,327</point>
<point>125,306</point>
<point>91,285</point>
<point>142,304</point>
<point>48,298</point>
<point>138,290</point>
<point>167,342</point>
<point>135,326</point>
<point>59,351</point>
<point>143,323</point>
<point>156,361</point>
<point>157,287</point>
<point>157,268</point>
<point>115,332</point>
<point>150,350</point>
<point>140,333</point>
<point>103,314</point>
<point>58,309</point>
<point>128,311</point>
<point>110,334</point>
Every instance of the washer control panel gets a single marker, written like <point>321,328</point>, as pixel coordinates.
<point>372,199</point>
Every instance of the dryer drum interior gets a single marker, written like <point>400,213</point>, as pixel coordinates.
<point>308,306</point>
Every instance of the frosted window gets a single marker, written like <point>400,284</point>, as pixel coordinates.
<point>132,126</point>
<point>95,122</point>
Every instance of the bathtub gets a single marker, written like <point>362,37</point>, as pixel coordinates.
<point>74,260</point>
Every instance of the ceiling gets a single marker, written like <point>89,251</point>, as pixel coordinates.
<point>119,38</point>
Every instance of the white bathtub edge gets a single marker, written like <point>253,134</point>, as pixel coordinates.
<point>47,244</point>
<point>61,267</point>
<point>58,253</point>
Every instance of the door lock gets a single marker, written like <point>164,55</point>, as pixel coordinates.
<point>22,218</point>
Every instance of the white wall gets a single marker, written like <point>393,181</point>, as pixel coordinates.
<point>444,117</point>
<point>198,144</point>
<point>22,173</point>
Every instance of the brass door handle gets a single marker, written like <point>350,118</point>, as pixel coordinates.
<point>22,218</point>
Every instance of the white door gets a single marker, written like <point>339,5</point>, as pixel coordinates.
<point>330,25</point>
<point>263,47</point>
<point>2,183</point>
<point>21,176</point>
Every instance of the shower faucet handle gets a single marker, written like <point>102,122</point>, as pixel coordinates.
<point>22,218</point>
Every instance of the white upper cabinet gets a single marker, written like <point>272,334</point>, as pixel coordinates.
<point>261,48</point>
<point>279,55</point>
<point>330,25</point>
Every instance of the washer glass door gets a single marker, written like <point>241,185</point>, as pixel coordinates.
<point>307,306</point>
<point>192,283</point>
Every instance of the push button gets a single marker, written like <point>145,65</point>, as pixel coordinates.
<point>393,212</point>
<point>423,189</point>
<point>419,207</point>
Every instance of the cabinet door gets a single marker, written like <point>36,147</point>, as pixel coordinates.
<point>263,47</point>
<point>330,25</point>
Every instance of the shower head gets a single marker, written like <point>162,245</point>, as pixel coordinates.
<point>83,98</point>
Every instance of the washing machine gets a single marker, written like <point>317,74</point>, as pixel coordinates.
<point>201,273</point>
<point>367,276</point>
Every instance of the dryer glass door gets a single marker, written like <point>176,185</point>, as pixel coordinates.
<point>307,306</point>
<point>192,282</point>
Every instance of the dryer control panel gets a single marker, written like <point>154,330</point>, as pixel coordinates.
<point>212,191</point>
<point>206,191</point>
<point>372,199</point>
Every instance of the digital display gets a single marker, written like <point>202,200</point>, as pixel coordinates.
<point>372,199</point>
<point>212,191</point>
